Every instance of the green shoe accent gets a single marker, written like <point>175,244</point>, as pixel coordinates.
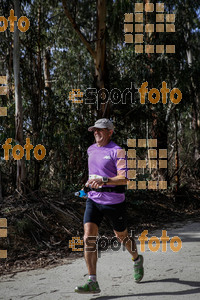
<point>139,270</point>
<point>90,287</point>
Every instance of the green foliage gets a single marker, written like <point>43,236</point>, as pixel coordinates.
<point>52,120</point>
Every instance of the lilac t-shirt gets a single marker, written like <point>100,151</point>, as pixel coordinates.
<point>102,161</point>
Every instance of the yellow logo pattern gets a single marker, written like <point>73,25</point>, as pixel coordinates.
<point>74,94</point>
<point>3,234</point>
<point>157,159</point>
<point>141,28</point>
<point>3,91</point>
<point>76,241</point>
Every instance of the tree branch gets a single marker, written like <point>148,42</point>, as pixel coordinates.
<point>75,26</point>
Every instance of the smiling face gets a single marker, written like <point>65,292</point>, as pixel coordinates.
<point>102,136</point>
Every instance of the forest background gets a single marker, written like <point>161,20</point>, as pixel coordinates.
<point>79,45</point>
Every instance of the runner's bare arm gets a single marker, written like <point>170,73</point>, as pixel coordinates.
<point>117,180</point>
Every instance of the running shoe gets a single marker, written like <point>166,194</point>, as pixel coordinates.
<point>90,287</point>
<point>138,269</point>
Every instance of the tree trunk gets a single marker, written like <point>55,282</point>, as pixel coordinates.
<point>18,101</point>
<point>159,128</point>
<point>177,177</point>
<point>195,96</point>
<point>159,131</point>
<point>37,123</point>
<point>47,59</point>
<point>100,44</point>
<point>99,60</point>
<point>99,54</point>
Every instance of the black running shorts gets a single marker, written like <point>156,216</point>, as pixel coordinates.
<point>116,213</point>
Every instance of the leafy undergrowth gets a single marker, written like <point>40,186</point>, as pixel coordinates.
<point>41,225</point>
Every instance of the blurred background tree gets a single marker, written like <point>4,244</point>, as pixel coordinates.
<point>79,45</point>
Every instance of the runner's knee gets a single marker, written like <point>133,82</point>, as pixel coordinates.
<point>122,236</point>
<point>90,231</point>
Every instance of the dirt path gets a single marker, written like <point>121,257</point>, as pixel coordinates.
<point>168,275</point>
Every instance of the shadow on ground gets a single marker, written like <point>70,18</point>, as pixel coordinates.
<point>173,280</point>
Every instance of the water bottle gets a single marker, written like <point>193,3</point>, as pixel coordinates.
<point>81,194</point>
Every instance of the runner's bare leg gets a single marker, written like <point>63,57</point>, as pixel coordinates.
<point>90,230</point>
<point>130,243</point>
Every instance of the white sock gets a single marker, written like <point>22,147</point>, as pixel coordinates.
<point>93,277</point>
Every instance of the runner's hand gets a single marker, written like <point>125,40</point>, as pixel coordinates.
<point>95,183</point>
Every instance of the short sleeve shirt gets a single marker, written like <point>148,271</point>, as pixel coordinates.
<point>103,161</point>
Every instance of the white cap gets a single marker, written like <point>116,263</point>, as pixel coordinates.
<point>102,123</point>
